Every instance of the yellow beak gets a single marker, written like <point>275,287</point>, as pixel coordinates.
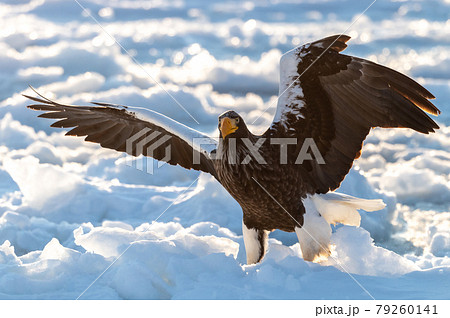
<point>227,126</point>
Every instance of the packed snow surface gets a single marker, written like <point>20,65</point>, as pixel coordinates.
<point>69,210</point>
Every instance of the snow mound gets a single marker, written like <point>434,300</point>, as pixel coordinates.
<point>168,261</point>
<point>43,186</point>
<point>364,258</point>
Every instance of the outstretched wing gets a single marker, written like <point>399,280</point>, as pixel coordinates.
<point>335,99</point>
<point>151,134</point>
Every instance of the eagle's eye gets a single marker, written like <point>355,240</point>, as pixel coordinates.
<point>236,120</point>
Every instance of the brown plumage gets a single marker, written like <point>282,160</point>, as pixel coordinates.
<point>325,96</point>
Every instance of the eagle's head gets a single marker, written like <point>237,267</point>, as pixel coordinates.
<point>231,125</point>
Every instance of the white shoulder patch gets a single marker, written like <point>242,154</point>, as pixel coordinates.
<point>289,93</point>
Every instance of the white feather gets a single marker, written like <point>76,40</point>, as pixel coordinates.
<point>314,236</point>
<point>252,245</point>
<point>321,210</point>
<point>288,90</point>
<point>342,208</point>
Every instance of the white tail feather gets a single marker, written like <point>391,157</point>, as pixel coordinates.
<point>342,208</point>
<point>323,210</point>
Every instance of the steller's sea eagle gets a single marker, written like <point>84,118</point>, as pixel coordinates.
<point>327,101</point>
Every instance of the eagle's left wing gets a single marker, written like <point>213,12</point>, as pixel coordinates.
<point>150,134</point>
<point>336,99</point>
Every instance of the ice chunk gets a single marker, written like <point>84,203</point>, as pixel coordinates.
<point>42,185</point>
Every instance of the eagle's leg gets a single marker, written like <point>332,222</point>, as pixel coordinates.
<point>256,243</point>
<point>314,235</point>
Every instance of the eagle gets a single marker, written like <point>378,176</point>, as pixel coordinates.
<point>286,177</point>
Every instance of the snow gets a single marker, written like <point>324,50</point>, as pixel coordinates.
<point>366,261</point>
<point>58,186</point>
<point>69,210</point>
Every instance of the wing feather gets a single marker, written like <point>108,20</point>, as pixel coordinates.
<point>336,99</point>
<point>117,128</point>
